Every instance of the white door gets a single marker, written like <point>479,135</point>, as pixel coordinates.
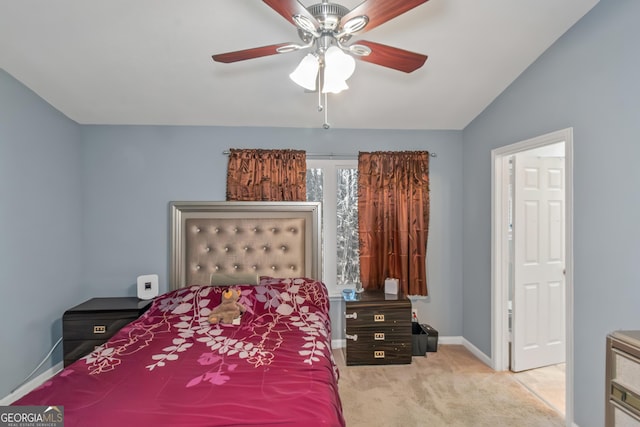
<point>538,337</point>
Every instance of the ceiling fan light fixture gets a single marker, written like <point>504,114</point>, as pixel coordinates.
<point>327,28</point>
<point>306,73</point>
<point>338,67</point>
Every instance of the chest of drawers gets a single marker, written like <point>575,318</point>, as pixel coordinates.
<point>87,325</point>
<point>623,379</point>
<point>378,329</point>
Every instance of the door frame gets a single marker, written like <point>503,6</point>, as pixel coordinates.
<point>500,253</point>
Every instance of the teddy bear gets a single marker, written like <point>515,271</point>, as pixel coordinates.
<point>228,309</point>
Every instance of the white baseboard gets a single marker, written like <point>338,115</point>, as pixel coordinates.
<point>30,385</point>
<point>477,353</point>
<point>450,340</point>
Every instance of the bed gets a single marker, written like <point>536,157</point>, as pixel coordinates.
<point>171,367</point>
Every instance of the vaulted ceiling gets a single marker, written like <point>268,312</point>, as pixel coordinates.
<point>149,61</point>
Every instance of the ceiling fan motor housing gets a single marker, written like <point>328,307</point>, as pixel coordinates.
<point>328,15</point>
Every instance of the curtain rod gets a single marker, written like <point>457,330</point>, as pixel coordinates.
<point>332,155</point>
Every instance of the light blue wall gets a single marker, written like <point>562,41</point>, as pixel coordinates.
<point>588,80</point>
<point>131,173</point>
<point>95,200</point>
<point>40,228</point>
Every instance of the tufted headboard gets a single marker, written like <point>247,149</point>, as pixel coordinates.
<point>278,239</point>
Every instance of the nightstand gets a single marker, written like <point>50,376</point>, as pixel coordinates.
<point>378,329</point>
<point>622,391</point>
<point>88,325</point>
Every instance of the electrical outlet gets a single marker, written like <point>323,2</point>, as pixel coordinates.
<point>414,315</point>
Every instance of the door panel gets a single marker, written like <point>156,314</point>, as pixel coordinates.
<point>538,254</point>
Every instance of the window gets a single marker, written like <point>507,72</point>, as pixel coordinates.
<point>335,184</point>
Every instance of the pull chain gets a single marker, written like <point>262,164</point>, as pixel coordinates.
<point>323,106</point>
<point>326,112</point>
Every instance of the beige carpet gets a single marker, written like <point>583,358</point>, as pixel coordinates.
<point>547,383</point>
<point>447,388</point>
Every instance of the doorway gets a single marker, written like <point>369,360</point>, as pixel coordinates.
<point>503,269</point>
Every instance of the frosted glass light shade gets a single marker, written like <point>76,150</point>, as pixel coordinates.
<point>306,73</point>
<point>334,85</point>
<point>338,67</point>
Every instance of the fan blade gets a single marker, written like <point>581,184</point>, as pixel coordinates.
<point>289,8</point>
<point>241,55</point>
<point>392,57</point>
<point>380,11</point>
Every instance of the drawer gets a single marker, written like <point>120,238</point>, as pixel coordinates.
<point>625,398</point>
<point>378,353</point>
<point>627,370</point>
<point>93,328</point>
<point>379,335</point>
<point>621,418</point>
<point>377,317</point>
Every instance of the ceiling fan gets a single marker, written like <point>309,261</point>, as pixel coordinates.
<point>326,28</point>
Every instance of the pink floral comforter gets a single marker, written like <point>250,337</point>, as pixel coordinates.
<point>172,368</point>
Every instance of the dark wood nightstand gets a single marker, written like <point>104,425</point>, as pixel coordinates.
<point>378,329</point>
<point>87,325</point>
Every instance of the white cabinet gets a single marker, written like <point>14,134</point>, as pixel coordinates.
<point>623,379</point>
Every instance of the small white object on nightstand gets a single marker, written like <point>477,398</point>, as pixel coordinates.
<point>391,286</point>
<point>148,286</point>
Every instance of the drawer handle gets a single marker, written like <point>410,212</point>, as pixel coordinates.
<point>625,397</point>
<point>351,337</point>
<point>378,317</point>
<point>351,316</point>
<point>378,354</point>
<point>99,329</point>
<point>378,336</point>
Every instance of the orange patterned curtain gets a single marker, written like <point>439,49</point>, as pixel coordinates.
<point>267,175</point>
<point>393,217</point>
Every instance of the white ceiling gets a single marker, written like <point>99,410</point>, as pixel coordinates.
<point>149,61</point>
